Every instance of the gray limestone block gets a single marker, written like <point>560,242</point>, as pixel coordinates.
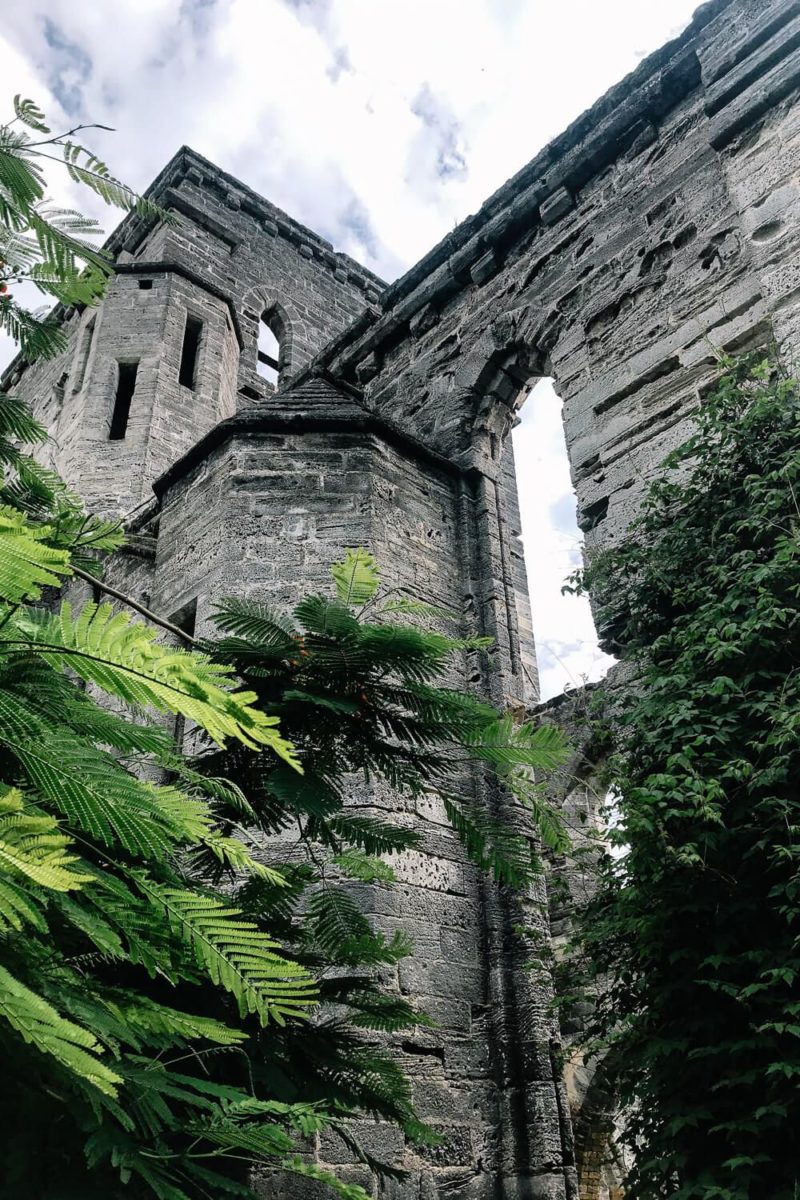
<point>668,232</point>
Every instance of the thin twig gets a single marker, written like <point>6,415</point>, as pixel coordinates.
<point>57,138</point>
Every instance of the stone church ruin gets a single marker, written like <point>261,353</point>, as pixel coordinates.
<point>255,402</point>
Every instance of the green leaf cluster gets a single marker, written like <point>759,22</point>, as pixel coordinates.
<point>110,954</point>
<point>42,243</point>
<point>692,938</point>
<point>148,926</point>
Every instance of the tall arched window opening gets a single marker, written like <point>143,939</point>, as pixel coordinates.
<point>269,349</point>
<point>566,641</point>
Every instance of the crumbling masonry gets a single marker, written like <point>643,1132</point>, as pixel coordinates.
<point>662,224</point>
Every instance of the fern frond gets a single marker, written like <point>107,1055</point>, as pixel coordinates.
<point>370,1007</point>
<point>87,785</point>
<point>111,1144</point>
<point>233,856</point>
<point>92,923</point>
<point>94,174</point>
<point>413,608</point>
<point>176,1027</point>
<point>345,935</point>
<point>31,845</point>
<point>225,792</point>
<point>35,491</point>
<point>122,656</point>
<point>20,176</point>
<point>412,653</point>
<point>30,114</point>
<point>17,420</point>
<point>255,622</point>
<point>366,868</point>
<point>547,820</point>
<point>356,578</point>
<point>372,835</point>
<point>304,1117</point>
<point>516,753</point>
<point>58,246</point>
<point>236,954</point>
<point>311,792</point>
<point>259,898</point>
<point>38,1023</point>
<point>27,563</point>
<point>490,843</point>
<point>508,746</point>
<point>311,1170</point>
<point>260,1141</point>
<point>18,908</point>
<point>37,336</point>
<point>82,286</point>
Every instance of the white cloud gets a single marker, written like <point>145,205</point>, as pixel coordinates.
<point>318,103</point>
<point>379,123</point>
<point>566,642</point>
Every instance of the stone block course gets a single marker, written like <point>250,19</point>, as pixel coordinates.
<point>658,230</point>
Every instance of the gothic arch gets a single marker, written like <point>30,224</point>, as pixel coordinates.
<point>501,369</point>
<point>261,305</point>
<point>596,1117</point>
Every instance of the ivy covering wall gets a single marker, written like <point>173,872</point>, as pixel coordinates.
<point>692,938</point>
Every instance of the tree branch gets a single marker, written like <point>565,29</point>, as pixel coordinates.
<point>134,604</point>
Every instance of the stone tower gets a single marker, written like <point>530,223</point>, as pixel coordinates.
<point>662,226</point>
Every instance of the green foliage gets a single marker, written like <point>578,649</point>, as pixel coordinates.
<point>236,954</point>
<point>117,965</point>
<point>71,1045</point>
<point>692,936</point>
<point>118,949</point>
<point>356,578</point>
<point>123,657</point>
<point>26,565</point>
<point>358,696</point>
<point>41,242</point>
<point>99,924</point>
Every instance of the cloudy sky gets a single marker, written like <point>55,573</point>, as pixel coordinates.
<point>379,123</point>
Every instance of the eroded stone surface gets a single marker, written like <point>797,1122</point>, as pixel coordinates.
<point>660,229</point>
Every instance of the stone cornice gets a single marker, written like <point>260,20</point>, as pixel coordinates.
<point>304,418</point>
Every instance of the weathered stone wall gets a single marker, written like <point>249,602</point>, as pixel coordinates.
<point>226,256</point>
<point>660,228</point>
<point>262,509</point>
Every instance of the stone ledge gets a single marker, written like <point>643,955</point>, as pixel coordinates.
<point>313,417</point>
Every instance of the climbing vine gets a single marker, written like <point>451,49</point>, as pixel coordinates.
<point>692,939</point>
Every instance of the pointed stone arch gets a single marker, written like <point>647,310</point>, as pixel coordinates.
<point>269,328</point>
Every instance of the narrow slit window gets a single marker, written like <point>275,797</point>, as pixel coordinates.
<point>269,352</point>
<point>126,386</point>
<point>191,345</point>
<point>83,354</point>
